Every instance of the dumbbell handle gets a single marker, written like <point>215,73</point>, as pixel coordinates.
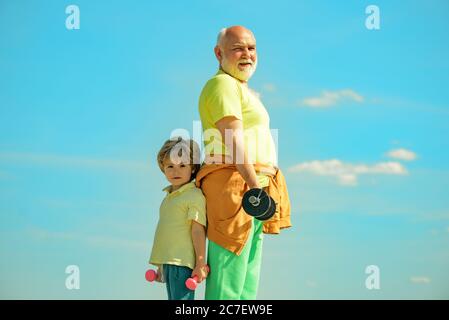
<point>192,283</point>
<point>255,201</point>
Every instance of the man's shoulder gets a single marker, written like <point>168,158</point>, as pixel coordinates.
<point>220,80</point>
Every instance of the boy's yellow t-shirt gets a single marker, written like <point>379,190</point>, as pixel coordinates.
<point>173,238</point>
<point>224,96</point>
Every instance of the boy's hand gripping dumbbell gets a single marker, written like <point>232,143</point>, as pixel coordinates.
<point>192,282</point>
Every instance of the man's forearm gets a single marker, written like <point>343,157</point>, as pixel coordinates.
<point>248,173</point>
<point>246,169</point>
<point>231,130</point>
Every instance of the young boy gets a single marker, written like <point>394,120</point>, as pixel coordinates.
<point>180,238</point>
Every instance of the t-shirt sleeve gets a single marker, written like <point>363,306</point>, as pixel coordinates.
<point>197,209</point>
<point>224,99</point>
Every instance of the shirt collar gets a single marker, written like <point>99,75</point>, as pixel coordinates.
<point>220,71</point>
<point>183,188</point>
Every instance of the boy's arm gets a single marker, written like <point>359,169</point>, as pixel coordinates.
<point>199,244</point>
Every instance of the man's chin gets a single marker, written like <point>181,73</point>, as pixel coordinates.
<point>242,76</point>
<point>246,77</point>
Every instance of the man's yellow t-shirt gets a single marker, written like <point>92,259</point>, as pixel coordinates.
<point>173,238</point>
<point>223,96</point>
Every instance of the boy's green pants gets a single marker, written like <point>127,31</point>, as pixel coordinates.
<point>234,277</point>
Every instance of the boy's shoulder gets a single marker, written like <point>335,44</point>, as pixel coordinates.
<point>195,191</point>
<point>196,194</point>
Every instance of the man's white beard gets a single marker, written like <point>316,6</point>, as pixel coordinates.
<point>234,70</point>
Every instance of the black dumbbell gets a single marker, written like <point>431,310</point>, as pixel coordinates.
<point>257,203</point>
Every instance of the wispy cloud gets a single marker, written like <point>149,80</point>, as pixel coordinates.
<point>43,159</point>
<point>434,232</point>
<point>402,154</point>
<point>347,173</point>
<point>440,215</point>
<point>420,280</point>
<point>269,87</point>
<point>90,240</point>
<point>408,106</point>
<point>331,98</point>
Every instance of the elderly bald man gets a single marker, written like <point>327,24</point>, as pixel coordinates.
<point>240,155</point>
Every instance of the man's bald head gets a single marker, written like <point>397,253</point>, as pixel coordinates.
<point>233,33</point>
<point>236,52</point>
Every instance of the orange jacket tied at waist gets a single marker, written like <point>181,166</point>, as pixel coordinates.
<point>228,225</point>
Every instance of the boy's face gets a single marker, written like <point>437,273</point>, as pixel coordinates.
<point>178,173</point>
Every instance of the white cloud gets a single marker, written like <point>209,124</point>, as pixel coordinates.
<point>402,154</point>
<point>330,98</point>
<point>72,161</point>
<point>269,87</point>
<point>432,216</point>
<point>347,173</point>
<point>434,232</point>
<point>420,280</point>
<point>348,179</point>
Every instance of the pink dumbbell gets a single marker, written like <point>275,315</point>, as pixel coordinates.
<point>150,275</point>
<point>192,283</point>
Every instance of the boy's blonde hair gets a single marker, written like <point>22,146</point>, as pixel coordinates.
<point>177,147</point>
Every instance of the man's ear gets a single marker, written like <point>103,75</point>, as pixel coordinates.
<point>218,53</point>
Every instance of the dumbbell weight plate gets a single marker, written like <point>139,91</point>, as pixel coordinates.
<point>264,207</point>
<point>271,211</point>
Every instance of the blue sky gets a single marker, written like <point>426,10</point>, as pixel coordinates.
<point>362,117</point>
